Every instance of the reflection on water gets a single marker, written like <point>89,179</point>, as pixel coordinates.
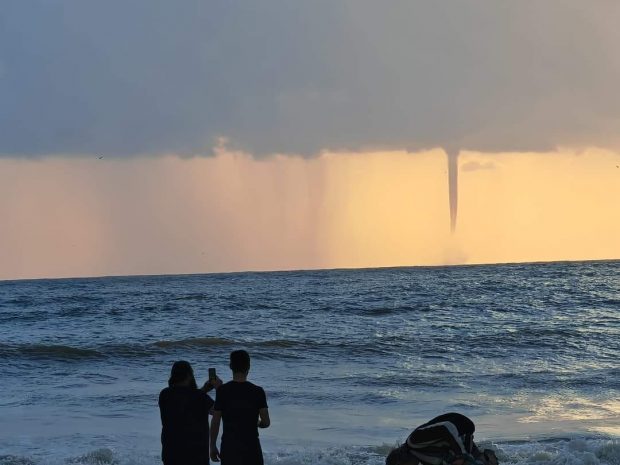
<point>575,408</point>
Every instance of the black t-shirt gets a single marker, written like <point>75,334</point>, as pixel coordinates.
<point>185,425</point>
<point>239,403</point>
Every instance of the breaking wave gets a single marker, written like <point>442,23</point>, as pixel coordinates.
<point>48,351</point>
<point>576,451</point>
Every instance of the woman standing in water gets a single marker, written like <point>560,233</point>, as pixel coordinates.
<point>184,413</point>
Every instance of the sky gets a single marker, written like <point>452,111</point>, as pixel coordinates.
<point>145,136</point>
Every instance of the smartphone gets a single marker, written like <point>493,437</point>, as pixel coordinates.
<point>212,375</point>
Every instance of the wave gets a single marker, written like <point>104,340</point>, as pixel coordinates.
<point>554,451</point>
<point>194,342</point>
<point>282,343</point>
<point>20,301</point>
<point>576,451</point>
<point>261,349</point>
<point>101,456</point>
<point>15,460</point>
<point>66,352</point>
<point>304,344</point>
<point>199,297</point>
<point>49,351</point>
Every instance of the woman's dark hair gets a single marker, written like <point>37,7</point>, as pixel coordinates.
<point>179,373</point>
<point>239,361</point>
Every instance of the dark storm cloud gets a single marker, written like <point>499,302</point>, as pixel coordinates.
<point>149,77</point>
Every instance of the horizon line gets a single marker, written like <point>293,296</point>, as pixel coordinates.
<point>309,270</point>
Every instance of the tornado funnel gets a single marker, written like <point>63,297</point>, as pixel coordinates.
<point>453,185</point>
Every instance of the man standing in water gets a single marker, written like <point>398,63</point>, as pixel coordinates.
<point>243,408</point>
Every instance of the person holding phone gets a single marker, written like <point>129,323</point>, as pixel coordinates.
<point>184,410</point>
<point>242,406</point>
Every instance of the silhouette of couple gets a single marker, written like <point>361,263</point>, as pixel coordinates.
<point>242,406</point>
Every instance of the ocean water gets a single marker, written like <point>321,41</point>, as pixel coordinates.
<point>351,360</point>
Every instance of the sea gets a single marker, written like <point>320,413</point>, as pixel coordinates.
<point>351,360</point>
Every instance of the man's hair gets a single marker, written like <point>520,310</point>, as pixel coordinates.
<point>239,361</point>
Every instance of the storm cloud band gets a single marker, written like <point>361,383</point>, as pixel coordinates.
<point>151,77</point>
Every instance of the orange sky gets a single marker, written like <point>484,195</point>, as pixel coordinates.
<point>66,217</point>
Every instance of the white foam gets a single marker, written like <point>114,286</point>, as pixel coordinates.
<point>576,451</point>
